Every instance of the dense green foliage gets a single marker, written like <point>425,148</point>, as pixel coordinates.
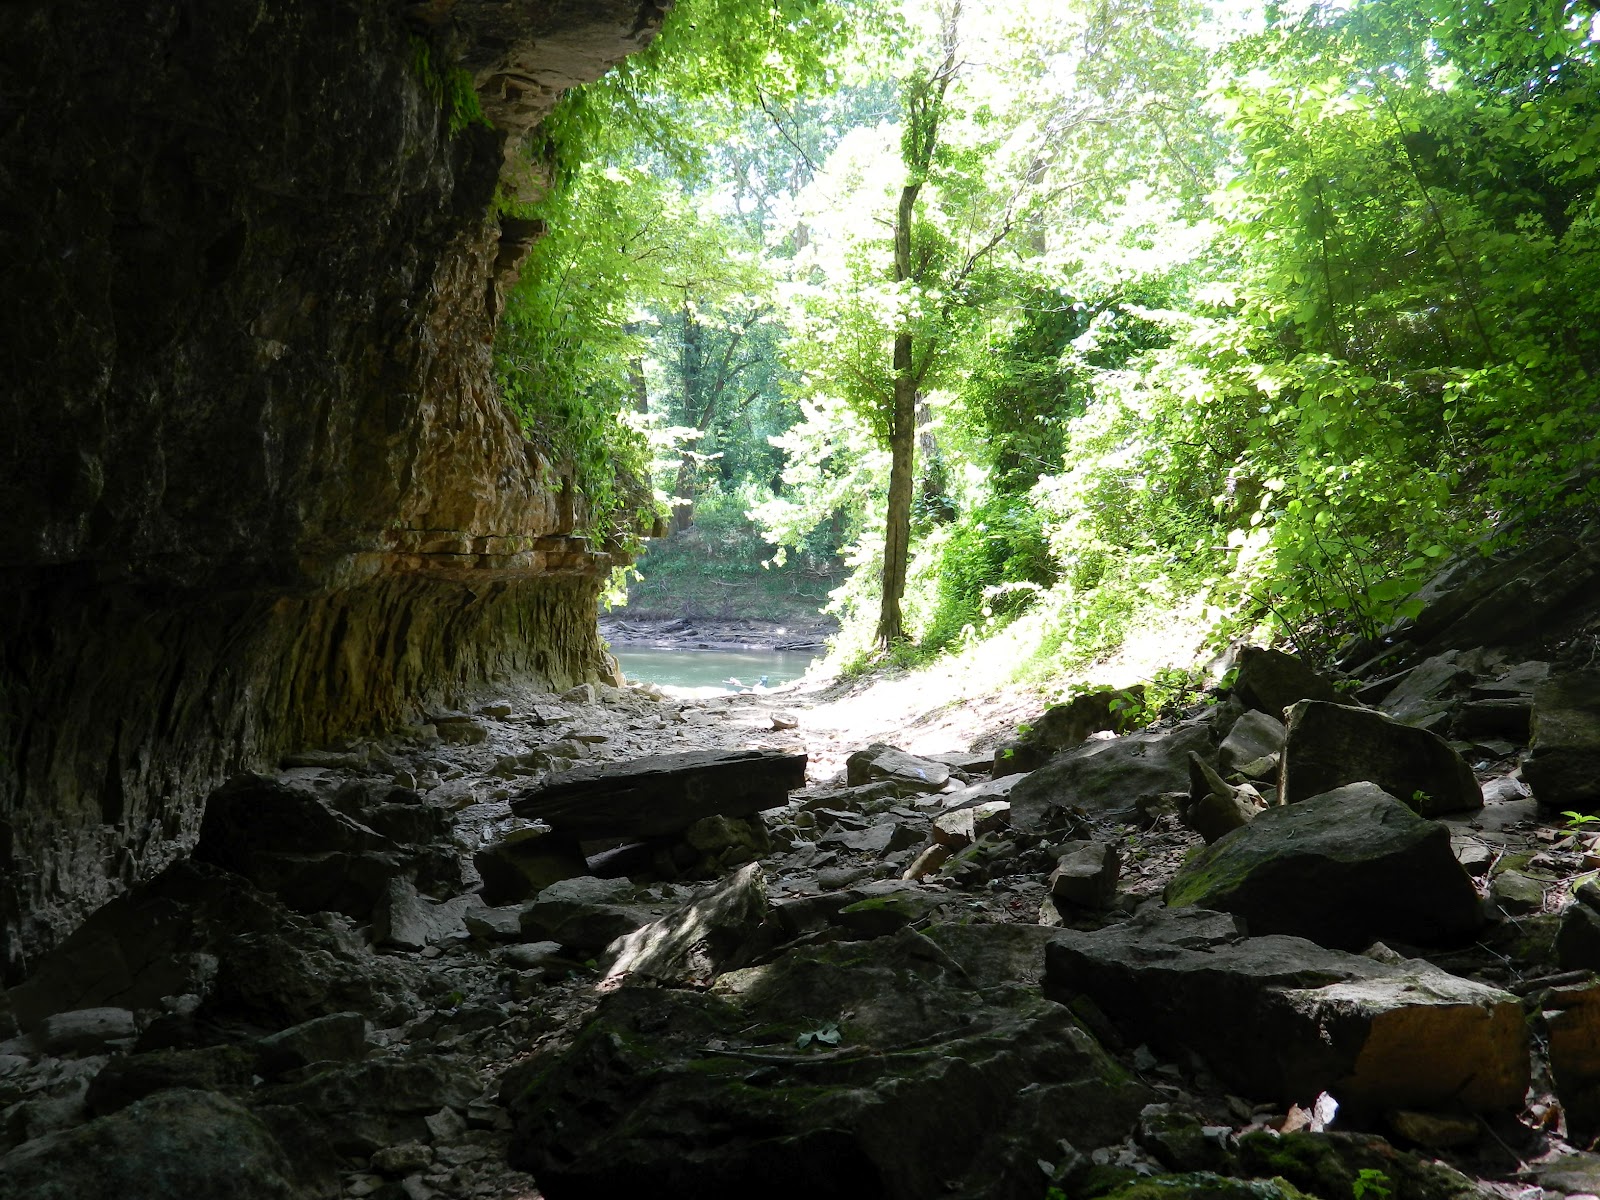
<point>1261,313</point>
<point>625,235</point>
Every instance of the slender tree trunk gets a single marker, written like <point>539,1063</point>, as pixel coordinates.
<point>924,112</point>
<point>902,440</point>
<point>902,471</point>
<point>638,386</point>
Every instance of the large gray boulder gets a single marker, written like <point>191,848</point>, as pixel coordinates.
<point>179,1143</point>
<point>1270,680</point>
<point>1108,778</point>
<point>1426,695</point>
<point>522,858</point>
<point>287,840</point>
<point>1282,1018</point>
<point>1564,768</point>
<point>880,763</point>
<point>199,931</point>
<point>718,929</point>
<point>924,1064</point>
<point>338,1111</point>
<point>1572,1023</point>
<point>584,913</point>
<point>1252,746</point>
<point>1344,869</point>
<point>1330,745</point>
<point>663,794</point>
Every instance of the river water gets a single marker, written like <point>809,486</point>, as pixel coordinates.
<point>732,669</point>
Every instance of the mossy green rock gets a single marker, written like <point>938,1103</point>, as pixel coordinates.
<point>1328,1165</point>
<point>1344,869</point>
<point>1203,1185</point>
<point>950,1076</point>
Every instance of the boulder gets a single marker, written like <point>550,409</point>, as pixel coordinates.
<point>1181,1141</point>
<point>407,920</point>
<point>930,859</point>
<point>1282,1018</point>
<point>1213,806</point>
<point>350,1110</point>
<point>1495,600</point>
<point>718,929</point>
<point>1085,876</point>
<point>979,793</point>
<point>1570,1174</point>
<point>1517,893</point>
<point>199,931</point>
<point>87,1030</point>
<point>175,1143</point>
<point>869,908</point>
<point>1427,690</point>
<point>884,837</point>
<point>906,772</point>
<point>727,842</point>
<point>584,913</point>
<point>1564,767</point>
<point>1198,1185</point>
<point>1063,726</point>
<point>131,1077</point>
<point>1329,1165</point>
<point>1108,778</point>
<point>548,958</point>
<point>663,794</point>
<point>459,729</point>
<point>905,1067</point>
<point>1270,681</point>
<point>500,924</point>
<point>1578,939</point>
<point>1510,719</point>
<point>1572,1021</point>
<point>959,828</point>
<point>1330,745</point>
<point>337,1037</point>
<point>522,859</point>
<point>1345,869</point>
<point>1252,745</point>
<point>288,841</point>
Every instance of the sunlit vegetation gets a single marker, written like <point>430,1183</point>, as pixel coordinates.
<point>1081,310</point>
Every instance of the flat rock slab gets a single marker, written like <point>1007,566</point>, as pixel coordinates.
<point>1345,869</point>
<point>1282,1018</point>
<point>923,1064</point>
<point>663,794</point>
<point>1330,745</point>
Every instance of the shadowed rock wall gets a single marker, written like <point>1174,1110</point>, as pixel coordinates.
<point>259,491</point>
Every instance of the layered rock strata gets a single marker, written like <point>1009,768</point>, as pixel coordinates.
<point>260,489</point>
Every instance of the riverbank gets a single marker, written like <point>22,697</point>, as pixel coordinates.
<point>710,633</point>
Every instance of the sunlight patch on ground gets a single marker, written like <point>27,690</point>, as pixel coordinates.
<point>977,699</point>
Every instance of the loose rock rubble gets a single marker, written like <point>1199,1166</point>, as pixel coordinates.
<point>1321,935</point>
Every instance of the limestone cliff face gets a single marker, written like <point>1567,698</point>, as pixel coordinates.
<point>258,490</point>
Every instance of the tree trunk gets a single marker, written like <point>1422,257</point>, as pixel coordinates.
<point>902,470</point>
<point>924,111</point>
<point>902,442</point>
